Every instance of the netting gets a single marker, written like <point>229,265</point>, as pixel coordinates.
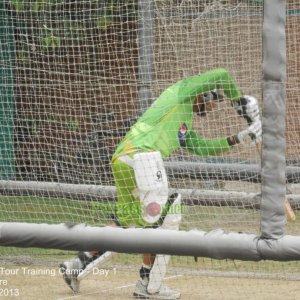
<point>76,75</point>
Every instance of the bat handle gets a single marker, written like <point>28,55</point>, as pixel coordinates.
<point>258,147</point>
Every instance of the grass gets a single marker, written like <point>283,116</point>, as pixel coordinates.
<point>53,211</point>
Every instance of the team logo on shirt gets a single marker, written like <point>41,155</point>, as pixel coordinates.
<point>181,133</point>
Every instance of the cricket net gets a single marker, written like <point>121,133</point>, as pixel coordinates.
<point>76,75</point>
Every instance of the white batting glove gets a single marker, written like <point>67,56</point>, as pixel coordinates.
<point>252,133</point>
<point>247,107</point>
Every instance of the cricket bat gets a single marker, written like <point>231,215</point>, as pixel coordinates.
<point>287,206</point>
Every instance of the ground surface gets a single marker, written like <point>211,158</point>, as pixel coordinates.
<point>40,282</point>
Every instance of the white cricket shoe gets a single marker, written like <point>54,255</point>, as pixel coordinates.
<point>70,270</point>
<point>164,293</point>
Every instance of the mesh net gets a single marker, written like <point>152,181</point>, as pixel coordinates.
<point>76,75</point>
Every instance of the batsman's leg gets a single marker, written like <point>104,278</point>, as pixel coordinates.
<point>94,264</point>
<point>74,270</point>
<point>171,221</point>
<point>70,270</point>
<point>150,285</point>
<point>78,268</point>
<point>141,292</point>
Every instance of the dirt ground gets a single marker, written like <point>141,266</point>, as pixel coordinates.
<point>40,282</point>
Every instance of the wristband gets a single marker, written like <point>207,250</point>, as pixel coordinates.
<point>233,140</point>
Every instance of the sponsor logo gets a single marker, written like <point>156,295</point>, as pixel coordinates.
<point>181,133</point>
<point>158,176</point>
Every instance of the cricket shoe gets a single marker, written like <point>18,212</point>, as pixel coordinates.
<point>164,293</point>
<point>70,270</point>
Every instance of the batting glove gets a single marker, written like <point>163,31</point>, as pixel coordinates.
<point>253,133</point>
<point>247,107</point>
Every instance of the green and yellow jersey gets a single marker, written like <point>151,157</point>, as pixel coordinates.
<point>167,124</point>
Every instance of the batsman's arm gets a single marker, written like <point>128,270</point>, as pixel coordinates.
<point>249,110</point>
<point>219,79</point>
<point>195,144</point>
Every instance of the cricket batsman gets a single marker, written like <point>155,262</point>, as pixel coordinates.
<point>143,198</point>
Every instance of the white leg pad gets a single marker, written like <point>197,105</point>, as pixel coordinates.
<point>157,273</point>
<point>152,184</point>
<point>159,268</point>
<point>173,218</point>
<point>94,264</point>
